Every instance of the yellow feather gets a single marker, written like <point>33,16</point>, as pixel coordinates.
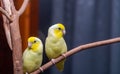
<point>61,26</point>
<point>60,65</point>
<point>58,33</point>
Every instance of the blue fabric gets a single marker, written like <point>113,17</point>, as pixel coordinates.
<point>86,21</point>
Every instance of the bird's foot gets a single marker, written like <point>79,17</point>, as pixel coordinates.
<point>63,55</point>
<point>53,61</point>
<point>41,69</point>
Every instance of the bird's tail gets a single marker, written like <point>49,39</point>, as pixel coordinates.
<point>60,65</point>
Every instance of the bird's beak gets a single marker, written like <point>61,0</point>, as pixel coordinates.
<point>64,32</point>
<point>29,44</point>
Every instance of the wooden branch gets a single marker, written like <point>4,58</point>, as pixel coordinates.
<point>4,12</point>
<point>7,6</point>
<point>16,41</point>
<point>6,21</point>
<point>16,46</point>
<point>23,7</point>
<point>76,50</point>
<point>7,32</point>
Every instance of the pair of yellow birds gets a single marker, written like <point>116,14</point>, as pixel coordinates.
<point>55,46</point>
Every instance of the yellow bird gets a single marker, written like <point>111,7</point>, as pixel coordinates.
<point>33,55</point>
<point>55,44</point>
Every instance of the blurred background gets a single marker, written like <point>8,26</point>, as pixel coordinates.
<point>85,21</point>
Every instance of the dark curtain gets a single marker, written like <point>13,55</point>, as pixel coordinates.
<point>85,21</point>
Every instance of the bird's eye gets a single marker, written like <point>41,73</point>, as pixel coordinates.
<point>35,41</point>
<point>59,28</point>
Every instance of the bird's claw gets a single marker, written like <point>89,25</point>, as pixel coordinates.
<point>41,69</point>
<point>63,55</point>
<point>53,61</point>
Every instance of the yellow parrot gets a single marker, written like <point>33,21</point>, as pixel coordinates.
<point>55,44</point>
<point>33,55</point>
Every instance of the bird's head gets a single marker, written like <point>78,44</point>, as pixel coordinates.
<point>57,30</point>
<point>34,43</point>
